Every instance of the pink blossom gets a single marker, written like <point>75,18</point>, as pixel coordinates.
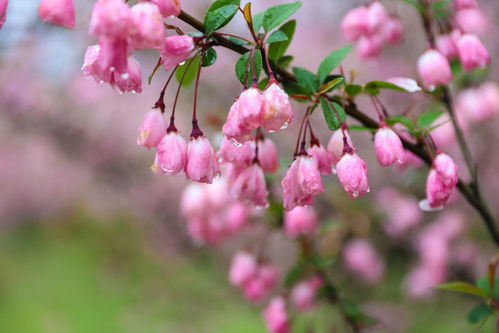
<point>155,167</point>
<point>462,4</point>
<point>90,65</point>
<point>300,221</point>
<point>236,216</point>
<point>472,53</point>
<point>447,46</point>
<point>58,12</point>
<point>304,293</point>
<point>175,50</point>
<point>232,128</point>
<point>242,269</point>
<point>335,145</point>
<point>131,81</point>
<point>360,257</point>
<point>352,173</point>
<point>250,186</point>
<point>168,7</point>
<point>277,111</point>
<point>422,280</point>
<point>3,11</point>
<point>202,165</point>
<point>355,24</point>
<point>240,155</point>
<point>321,155</point>
<point>471,20</point>
<point>194,201</point>
<point>172,153</point>
<point>152,129</point>
<point>113,56</point>
<point>369,46</point>
<point>276,317</point>
<point>147,29</point>
<point>301,183</point>
<point>446,169</point>
<point>388,147</point>
<point>442,180</point>
<point>110,18</point>
<point>267,155</point>
<point>250,109</point>
<point>393,31</point>
<point>261,283</point>
<point>376,17</point>
<point>434,69</point>
<point>490,94</point>
<point>402,212</point>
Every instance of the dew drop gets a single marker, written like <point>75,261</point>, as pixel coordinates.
<point>368,190</point>
<point>355,194</point>
<point>236,143</point>
<point>285,125</point>
<point>182,63</point>
<point>125,76</point>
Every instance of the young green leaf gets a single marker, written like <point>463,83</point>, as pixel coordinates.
<point>340,112</point>
<point>219,15</point>
<point>427,118</point>
<point>415,4</point>
<point>238,41</point>
<point>275,15</point>
<point>484,284</point>
<point>353,89</point>
<point>463,287</point>
<point>374,86</point>
<point>191,70</point>
<point>294,274</point>
<point>306,79</point>
<point>209,57</point>
<point>360,128</point>
<point>277,50</point>
<point>277,36</point>
<point>479,313</point>
<point>331,85</point>
<point>399,119</point>
<point>258,21</point>
<point>332,61</point>
<point>242,65</point>
<point>285,61</point>
<point>329,115</point>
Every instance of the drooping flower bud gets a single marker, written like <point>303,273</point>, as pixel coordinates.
<point>58,12</point>
<point>240,155</point>
<point>471,20</point>
<point>113,56</point>
<point>168,7</point>
<point>264,279</point>
<point>236,216</point>
<point>321,155</point>
<point>250,108</point>
<point>202,165</point>
<point>172,153</point>
<point>434,69</point>
<point>369,47</point>
<point>393,31</point>
<point>360,257</point>
<point>388,147</point>
<point>355,24</point>
<point>110,18</point>
<point>277,111</point>
<point>352,173</point>
<point>175,50</point>
<point>304,293</point>
<point>152,129</point>
<point>447,44</point>
<point>90,64</point>
<point>376,17</point>
<point>194,201</point>
<point>472,53</point>
<point>131,81</point>
<point>335,145</point>
<point>243,268</point>
<point>442,180</point>
<point>267,155</point>
<point>276,317</point>
<point>232,128</point>
<point>301,183</point>
<point>3,11</point>
<point>300,221</point>
<point>147,29</point>
<point>249,185</point>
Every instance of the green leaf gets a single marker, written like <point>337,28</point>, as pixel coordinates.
<point>332,61</point>
<point>427,118</point>
<point>191,70</point>
<point>360,128</point>
<point>238,41</point>
<point>415,4</point>
<point>463,287</point>
<point>399,119</point>
<point>275,15</point>
<point>484,284</point>
<point>285,61</point>
<point>479,313</point>
<point>440,9</point>
<point>353,89</point>
<point>374,86</point>
<point>277,36</point>
<point>340,111</point>
<point>277,50</point>
<point>263,83</point>
<point>329,115</point>
<point>258,21</point>
<point>294,274</point>
<point>219,14</point>
<point>242,64</point>
<point>306,79</point>
<point>331,85</point>
<point>209,57</point>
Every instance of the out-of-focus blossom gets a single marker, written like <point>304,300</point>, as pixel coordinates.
<point>277,111</point>
<point>110,18</point>
<point>58,12</point>
<point>434,69</point>
<point>202,165</point>
<point>300,221</point>
<point>3,11</point>
<point>242,268</point>
<point>462,4</point>
<point>239,155</point>
<point>388,147</point>
<point>472,53</point>
<point>369,46</point>
<point>377,17</point>
<point>304,293</point>
<point>267,155</point>
<point>261,283</point>
<point>147,29</point>
<point>447,44</point>
<point>321,155</point>
<point>402,211</point>
<point>352,174</point>
<point>152,129</point>
<point>175,50</point>
<point>168,7</point>
<point>250,186</point>
<point>360,257</point>
<point>471,20</point>
<point>276,317</point>
<point>393,31</point>
<point>355,24</point>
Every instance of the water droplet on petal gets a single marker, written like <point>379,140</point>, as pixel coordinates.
<point>355,194</point>
<point>368,190</point>
<point>285,125</point>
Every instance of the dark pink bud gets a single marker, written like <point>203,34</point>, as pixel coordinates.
<point>168,7</point>
<point>175,50</point>
<point>3,11</point>
<point>147,29</point>
<point>202,165</point>
<point>277,111</point>
<point>472,53</point>
<point>322,158</point>
<point>355,24</point>
<point>172,153</point>
<point>267,155</point>
<point>111,18</point>
<point>442,180</point>
<point>300,221</point>
<point>58,12</point>
<point>249,185</point>
<point>152,129</point>
<point>434,69</point>
<point>352,173</point>
<point>388,147</point>
<point>276,317</point>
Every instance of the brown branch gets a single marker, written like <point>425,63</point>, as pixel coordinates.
<point>470,191</point>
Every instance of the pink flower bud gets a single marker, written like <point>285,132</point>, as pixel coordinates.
<point>267,155</point>
<point>369,47</point>
<point>232,128</point>
<point>434,69</point>
<point>255,290</point>
<point>393,31</point>
<point>335,145</point>
<point>147,29</point>
<point>131,81</point>
<point>300,221</point>
<point>202,165</point>
<point>304,293</point>
<point>442,180</point>
<point>172,153</point>
<point>472,53</point>
<point>352,173</point>
<point>376,17</point>
<point>194,201</point>
<point>250,109</point>
<point>277,111</point>
<point>471,20</point>
<point>276,317</point>
<point>388,146</point>
<point>462,4</point>
<point>240,155</point>
<point>58,12</point>
<point>269,275</point>
<point>250,186</point>
<point>301,183</point>
<point>446,169</point>
<point>111,18</point>
<point>242,269</point>
<point>322,158</point>
<point>155,168</point>
<point>168,7</point>
<point>175,50</point>
<point>446,45</point>
<point>236,216</point>
<point>355,24</point>
<point>113,56</point>
<point>3,11</point>
<point>152,129</point>
<point>91,67</point>
<point>360,257</point>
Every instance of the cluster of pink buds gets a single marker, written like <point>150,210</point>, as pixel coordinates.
<point>304,293</point>
<point>276,316</point>
<point>256,279</point>
<point>360,257</point>
<point>370,27</point>
<point>211,214</point>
